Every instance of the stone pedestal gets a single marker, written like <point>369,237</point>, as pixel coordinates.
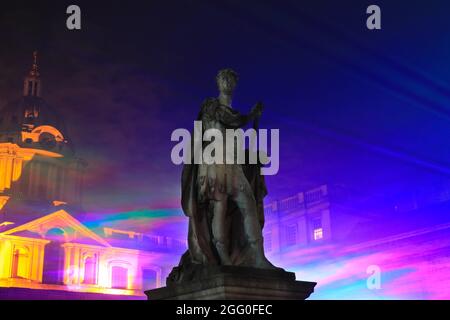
<point>236,283</point>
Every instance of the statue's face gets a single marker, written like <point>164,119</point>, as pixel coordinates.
<point>226,84</point>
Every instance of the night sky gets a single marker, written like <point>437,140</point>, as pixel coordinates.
<point>368,110</point>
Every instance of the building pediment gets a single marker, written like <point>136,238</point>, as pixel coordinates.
<point>68,227</point>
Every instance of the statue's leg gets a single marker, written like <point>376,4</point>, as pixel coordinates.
<point>195,250</point>
<point>254,254</point>
<point>246,203</point>
<point>219,230</point>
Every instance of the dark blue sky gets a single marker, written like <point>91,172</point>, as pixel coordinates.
<point>365,109</point>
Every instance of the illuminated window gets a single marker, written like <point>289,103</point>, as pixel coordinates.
<point>20,263</point>
<point>318,234</point>
<point>90,271</point>
<point>318,231</point>
<point>119,277</point>
<point>149,278</point>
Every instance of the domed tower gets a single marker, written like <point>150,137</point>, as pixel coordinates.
<point>37,160</point>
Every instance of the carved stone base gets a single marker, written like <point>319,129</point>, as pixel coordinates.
<point>237,283</point>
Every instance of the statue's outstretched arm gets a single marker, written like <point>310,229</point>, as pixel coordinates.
<point>234,119</point>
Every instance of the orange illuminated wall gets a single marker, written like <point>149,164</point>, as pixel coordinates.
<point>54,255</point>
<point>37,161</point>
<point>35,174</point>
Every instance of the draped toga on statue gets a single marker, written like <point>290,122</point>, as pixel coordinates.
<point>240,188</point>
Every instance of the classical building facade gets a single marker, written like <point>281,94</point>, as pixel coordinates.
<point>57,252</point>
<point>298,220</point>
<point>37,160</point>
<point>42,245</point>
<point>340,240</point>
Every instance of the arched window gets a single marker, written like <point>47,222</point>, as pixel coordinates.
<point>90,270</point>
<point>20,263</point>
<point>149,279</point>
<point>119,277</point>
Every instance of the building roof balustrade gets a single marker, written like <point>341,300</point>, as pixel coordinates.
<point>301,200</point>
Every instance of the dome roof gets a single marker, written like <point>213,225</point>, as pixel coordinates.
<point>31,122</point>
<point>28,113</point>
<point>33,111</point>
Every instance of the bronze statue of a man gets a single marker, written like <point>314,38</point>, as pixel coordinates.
<point>224,202</point>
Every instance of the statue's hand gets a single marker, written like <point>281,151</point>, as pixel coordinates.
<point>257,109</point>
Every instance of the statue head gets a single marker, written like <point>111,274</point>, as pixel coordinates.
<point>226,80</point>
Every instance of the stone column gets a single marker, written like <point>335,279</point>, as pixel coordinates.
<point>17,173</point>
<point>76,265</point>
<point>2,173</point>
<point>41,261</point>
<point>68,267</point>
<point>8,171</point>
